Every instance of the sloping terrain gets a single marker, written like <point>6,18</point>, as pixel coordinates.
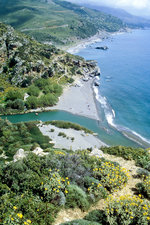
<point>23,61</point>
<point>56,21</point>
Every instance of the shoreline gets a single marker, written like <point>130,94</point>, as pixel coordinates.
<point>99,37</point>
<point>76,100</point>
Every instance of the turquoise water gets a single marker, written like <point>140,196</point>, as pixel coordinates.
<point>112,137</point>
<point>124,92</point>
<point>123,96</point>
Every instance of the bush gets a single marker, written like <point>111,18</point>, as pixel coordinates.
<point>32,102</point>
<point>33,91</point>
<point>80,222</point>
<point>14,94</point>
<point>127,210</point>
<point>144,187</point>
<point>67,125</point>
<point>98,216</point>
<point>76,197</point>
<point>54,188</point>
<point>62,134</point>
<point>141,156</point>
<point>110,176</point>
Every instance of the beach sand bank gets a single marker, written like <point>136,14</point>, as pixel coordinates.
<point>73,139</point>
<point>79,100</point>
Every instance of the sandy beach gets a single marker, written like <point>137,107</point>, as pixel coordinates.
<point>73,139</point>
<point>79,100</point>
<point>85,42</point>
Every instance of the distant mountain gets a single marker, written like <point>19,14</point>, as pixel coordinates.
<point>56,21</point>
<point>129,19</point>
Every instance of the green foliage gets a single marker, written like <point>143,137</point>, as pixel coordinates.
<point>98,216</point>
<point>33,91</point>
<point>127,210</point>
<point>62,134</point>
<point>14,136</point>
<point>60,21</point>
<point>14,94</point>
<point>67,125</point>
<point>144,187</point>
<point>76,197</point>
<point>141,156</point>
<point>81,222</point>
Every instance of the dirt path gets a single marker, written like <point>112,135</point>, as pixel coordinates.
<point>70,214</point>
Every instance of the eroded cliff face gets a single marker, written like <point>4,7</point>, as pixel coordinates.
<point>22,59</point>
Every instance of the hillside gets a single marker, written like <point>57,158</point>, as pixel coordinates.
<point>56,21</point>
<point>131,20</point>
<point>40,184</point>
<point>27,66</point>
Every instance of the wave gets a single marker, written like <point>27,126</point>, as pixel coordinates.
<point>110,117</point>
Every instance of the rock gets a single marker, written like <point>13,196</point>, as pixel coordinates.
<point>20,154</point>
<point>98,153</point>
<point>102,48</point>
<point>39,151</point>
<point>85,79</point>
<point>96,83</point>
<point>25,96</point>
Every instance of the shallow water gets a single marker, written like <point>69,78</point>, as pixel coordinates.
<point>111,137</point>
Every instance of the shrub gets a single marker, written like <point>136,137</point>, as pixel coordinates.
<point>144,187</point>
<point>141,156</point>
<point>32,102</point>
<point>80,222</point>
<point>55,187</point>
<point>98,216</point>
<point>62,134</point>
<point>33,91</point>
<point>110,176</point>
<point>67,125</point>
<point>14,94</point>
<point>127,210</point>
<point>76,197</point>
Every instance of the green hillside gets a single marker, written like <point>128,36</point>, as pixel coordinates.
<point>56,21</point>
<point>39,70</point>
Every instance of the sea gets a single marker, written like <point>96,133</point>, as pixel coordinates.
<point>123,97</point>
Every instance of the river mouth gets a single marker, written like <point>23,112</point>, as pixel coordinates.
<point>106,134</point>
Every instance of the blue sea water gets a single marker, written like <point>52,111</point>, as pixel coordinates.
<point>124,92</point>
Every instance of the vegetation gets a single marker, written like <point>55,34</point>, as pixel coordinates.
<point>141,156</point>
<point>144,187</point>
<point>34,189</point>
<point>28,67</point>
<point>56,21</point>
<point>67,125</point>
<point>20,135</point>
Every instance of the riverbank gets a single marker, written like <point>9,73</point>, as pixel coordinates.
<point>70,139</point>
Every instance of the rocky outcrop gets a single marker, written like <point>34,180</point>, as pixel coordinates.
<point>22,59</point>
<point>96,152</point>
<point>20,154</point>
<point>39,151</point>
<point>102,48</point>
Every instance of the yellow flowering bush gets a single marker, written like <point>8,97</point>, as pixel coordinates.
<point>16,217</point>
<point>110,175</point>
<point>127,210</point>
<point>144,187</point>
<point>54,186</point>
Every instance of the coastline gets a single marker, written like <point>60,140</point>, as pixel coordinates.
<point>99,37</point>
<point>78,99</point>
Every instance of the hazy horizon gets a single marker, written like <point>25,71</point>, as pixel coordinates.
<point>135,7</point>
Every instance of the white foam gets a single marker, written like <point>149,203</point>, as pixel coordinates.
<point>110,116</point>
